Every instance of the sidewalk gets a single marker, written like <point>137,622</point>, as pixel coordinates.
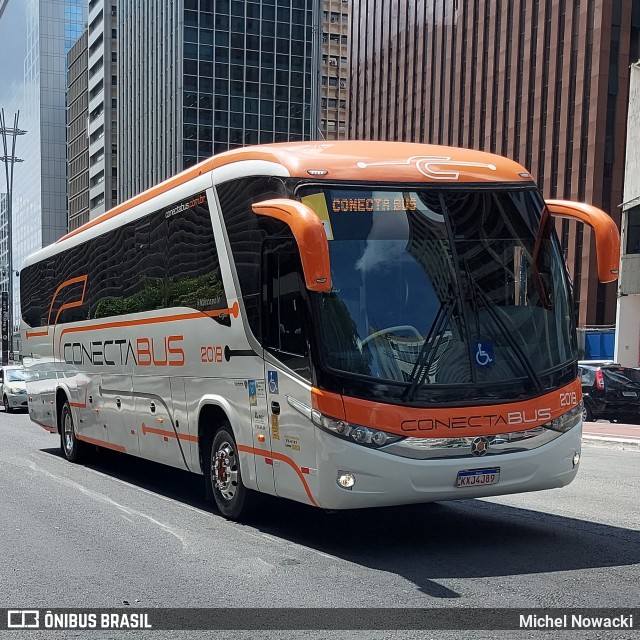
<point>611,435</point>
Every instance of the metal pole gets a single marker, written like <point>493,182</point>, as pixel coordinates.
<point>10,160</point>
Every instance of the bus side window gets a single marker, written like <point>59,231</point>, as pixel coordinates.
<point>283,303</point>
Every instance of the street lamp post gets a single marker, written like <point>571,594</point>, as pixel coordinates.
<point>9,158</point>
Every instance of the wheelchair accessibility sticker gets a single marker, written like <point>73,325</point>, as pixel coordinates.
<point>252,393</point>
<point>272,379</point>
<point>483,353</point>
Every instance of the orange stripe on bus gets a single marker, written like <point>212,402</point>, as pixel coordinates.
<point>283,458</point>
<point>101,443</point>
<point>68,305</point>
<point>167,434</point>
<point>449,422</point>
<point>35,334</point>
<point>45,427</point>
<point>80,405</point>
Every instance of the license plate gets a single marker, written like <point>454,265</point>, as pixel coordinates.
<point>478,477</point>
<point>629,394</point>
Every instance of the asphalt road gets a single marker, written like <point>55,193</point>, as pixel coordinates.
<point>124,532</point>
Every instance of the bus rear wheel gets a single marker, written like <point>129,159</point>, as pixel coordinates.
<point>230,494</point>
<point>72,449</point>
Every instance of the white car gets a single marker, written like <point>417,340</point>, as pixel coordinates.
<point>14,390</point>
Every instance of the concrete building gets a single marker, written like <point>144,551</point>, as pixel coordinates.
<point>196,77</point>
<point>103,105</point>
<point>93,116</point>
<point>77,133</point>
<point>627,348</point>
<point>35,36</point>
<point>542,82</point>
<point>334,84</point>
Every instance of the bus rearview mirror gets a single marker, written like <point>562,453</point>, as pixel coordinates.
<point>309,235</point>
<point>605,232</point>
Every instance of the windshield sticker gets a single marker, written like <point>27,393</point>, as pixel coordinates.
<point>483,353</point>
<point>318,204</point>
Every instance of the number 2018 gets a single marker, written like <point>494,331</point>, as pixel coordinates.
<point>211,354</point>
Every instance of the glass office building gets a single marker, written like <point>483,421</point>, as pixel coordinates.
<point>197,77</point>
<point>35,36</point>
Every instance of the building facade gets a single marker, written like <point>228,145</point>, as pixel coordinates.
<point>35,36</point>
<point>197,77</point>
<point>627,347</point>
<point>544,82</point>
<point>77,133</point>
<point>334,83</point>
<point>93,116</point>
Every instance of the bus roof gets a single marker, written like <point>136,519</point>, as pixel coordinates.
<point>358,161</point>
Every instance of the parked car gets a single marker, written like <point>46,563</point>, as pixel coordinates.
<point>610,392</point>
<point>14,391</point>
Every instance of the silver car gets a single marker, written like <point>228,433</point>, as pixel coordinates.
<point>14,391</point>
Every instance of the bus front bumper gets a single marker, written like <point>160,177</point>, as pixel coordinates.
<point>383,479</point>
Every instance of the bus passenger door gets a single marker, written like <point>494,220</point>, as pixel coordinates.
<point>288,373</point>
<point>116,414</point>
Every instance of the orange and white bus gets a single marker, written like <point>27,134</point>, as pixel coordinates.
<point>346,324</point>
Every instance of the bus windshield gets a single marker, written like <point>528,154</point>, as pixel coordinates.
<point>442,286</point>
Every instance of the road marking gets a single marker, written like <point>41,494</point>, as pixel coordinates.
<point>100,497</point>
<point>208,514</point>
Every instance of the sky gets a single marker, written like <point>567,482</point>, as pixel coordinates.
<point>13,50</point>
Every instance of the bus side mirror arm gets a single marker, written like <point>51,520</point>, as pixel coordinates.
<point>605,231</point>
<point>310,237</point>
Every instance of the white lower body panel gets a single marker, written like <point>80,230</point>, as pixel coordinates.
<point>384,480</point>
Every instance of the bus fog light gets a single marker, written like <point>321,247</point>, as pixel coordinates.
<point>576,458</point>
<point>346,480</point>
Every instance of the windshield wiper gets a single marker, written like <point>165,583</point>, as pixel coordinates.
<point>430,347</point>
<point>487,303</point>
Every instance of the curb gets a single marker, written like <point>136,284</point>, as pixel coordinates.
<point>611,443</point>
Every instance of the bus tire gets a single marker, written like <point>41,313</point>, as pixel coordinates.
<point>72,449</point>
<point>229,493</point>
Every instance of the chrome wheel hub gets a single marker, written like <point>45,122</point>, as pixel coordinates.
<point>224,471</point>
<point>68,433</point>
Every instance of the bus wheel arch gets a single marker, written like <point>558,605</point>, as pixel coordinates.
<point>61,399</point>
<point>220,463</point>
<point>72,449</point>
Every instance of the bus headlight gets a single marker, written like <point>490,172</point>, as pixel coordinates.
<point>567,420</point>
<point>372,438</point>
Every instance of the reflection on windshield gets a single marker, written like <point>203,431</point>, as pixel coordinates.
<point>15,375</point>
<point>399,258</point>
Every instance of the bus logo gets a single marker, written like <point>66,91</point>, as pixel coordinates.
<point>480,446</point>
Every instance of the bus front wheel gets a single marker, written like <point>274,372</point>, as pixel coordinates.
<point>224,472</point>
<point>72,449</point>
